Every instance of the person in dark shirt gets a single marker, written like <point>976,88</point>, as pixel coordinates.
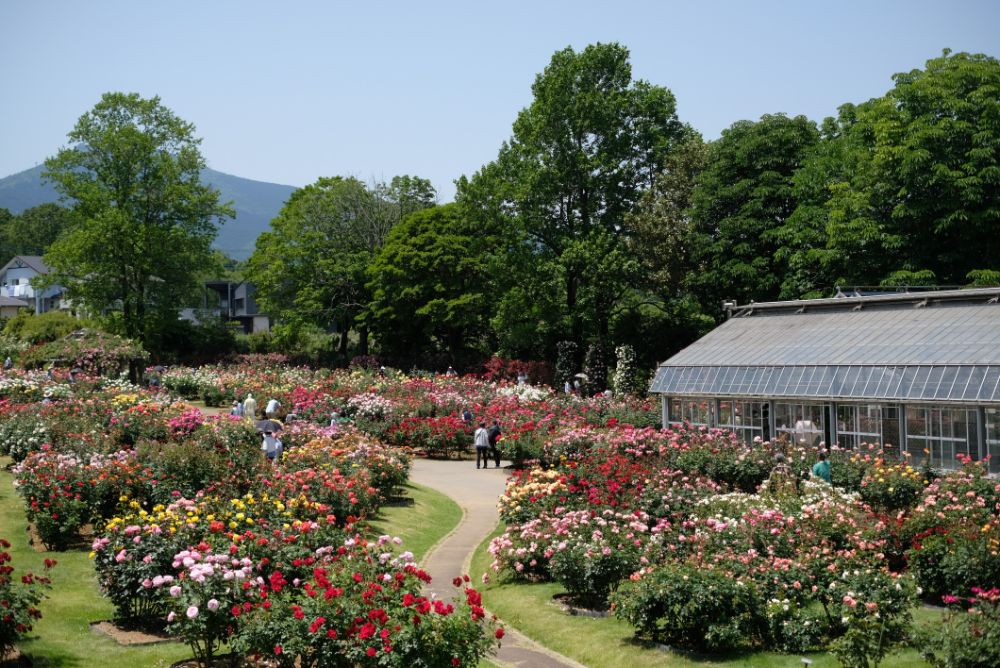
<point>494,437</point>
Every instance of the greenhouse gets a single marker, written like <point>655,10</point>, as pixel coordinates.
<point>916,371</point>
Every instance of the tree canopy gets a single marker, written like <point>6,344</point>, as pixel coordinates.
<point>310,269</point>
<point>32,231</point>
<point>431,288</point>
<point>906,187</point>
<point>742,196</point>
<point>604,220</point>
<point>580,157</point>
<point>142,222</point>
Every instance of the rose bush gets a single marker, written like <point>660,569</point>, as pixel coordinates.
<point>18,600</point>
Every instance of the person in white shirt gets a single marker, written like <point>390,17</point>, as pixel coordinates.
<point>481,439</point>
<point>272,408</point>
<point>272,447</point>
<point>250,407</point>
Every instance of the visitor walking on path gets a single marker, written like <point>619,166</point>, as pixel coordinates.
<point>494,438</point>
<point>481,439</point>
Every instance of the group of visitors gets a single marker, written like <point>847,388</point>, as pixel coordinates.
<point>485,441</point>
<point>271,446</point>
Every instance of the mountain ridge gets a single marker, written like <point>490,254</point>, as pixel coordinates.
<point>255,202</point>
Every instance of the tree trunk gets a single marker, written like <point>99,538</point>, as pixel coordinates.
<point>363,340</point>
<point>576,325</point>
<point>342,349</point>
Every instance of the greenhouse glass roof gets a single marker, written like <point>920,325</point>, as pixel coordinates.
<point>932,347</point>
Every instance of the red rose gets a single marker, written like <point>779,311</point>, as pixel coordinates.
<point>500,633</point>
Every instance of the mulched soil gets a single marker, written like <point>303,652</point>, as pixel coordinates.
<point>149,634</point>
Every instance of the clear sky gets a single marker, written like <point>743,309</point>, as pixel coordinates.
<point>290,91</point>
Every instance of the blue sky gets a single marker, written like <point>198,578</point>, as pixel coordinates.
<point>288,92</point>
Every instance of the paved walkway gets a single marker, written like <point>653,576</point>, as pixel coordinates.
<point>476,491</point>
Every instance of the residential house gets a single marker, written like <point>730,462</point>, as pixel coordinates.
<point>231,301</point>
<point>10,307</point>
<point>16,277</point>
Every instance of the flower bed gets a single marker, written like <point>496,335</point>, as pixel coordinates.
<point>194,525</point>
<point>677,534</point>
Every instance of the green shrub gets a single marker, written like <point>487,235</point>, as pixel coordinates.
<point>965,639</point>
<point>21,434</point>
<point>183,467</point>
<point>590,573</point>
<point>690,607</point>
<point>213,396</point>
<point>875,616</point>
<point>566,365</point>
<point>95,352</point>
<point>11,346</point>
<point>43,327</point>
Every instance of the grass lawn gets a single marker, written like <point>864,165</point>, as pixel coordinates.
<point>427,520</point>
<point>63,637</point>
<point>610,643</point>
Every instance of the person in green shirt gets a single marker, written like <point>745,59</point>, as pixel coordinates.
<point>821,469</point>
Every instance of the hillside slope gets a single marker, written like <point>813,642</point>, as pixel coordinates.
<point>256,203</point>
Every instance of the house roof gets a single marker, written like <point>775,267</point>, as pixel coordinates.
<point>33,261</point>
<point>942,346</point>
<point>10,301</point>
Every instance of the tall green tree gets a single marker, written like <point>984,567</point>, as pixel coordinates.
<point>142,220</point>
<point>743,196</point>
<point>913,194</point>
<point>311,267</point>
<point>665,315</point>
<point>580,157</point>
<point>431,289</point>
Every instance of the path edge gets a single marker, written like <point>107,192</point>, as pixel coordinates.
<point>525,640</point>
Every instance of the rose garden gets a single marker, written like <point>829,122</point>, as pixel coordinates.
<point>170,518</point>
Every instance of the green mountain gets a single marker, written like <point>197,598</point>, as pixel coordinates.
<point>256,203</point>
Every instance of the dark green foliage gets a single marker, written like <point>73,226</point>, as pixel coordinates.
<point>743,196</point>
<point>310,269</point>
<point>966,639</point>
<point>595,365</point>
<point>578,160</point>
<point>905,188</point>
<point>689,607</point>
<point>430,289</point>
<point>31,232</point>
<point>566,362</point>
<point>173,341</point>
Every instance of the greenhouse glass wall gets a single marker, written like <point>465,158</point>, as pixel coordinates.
<point>915,372</point>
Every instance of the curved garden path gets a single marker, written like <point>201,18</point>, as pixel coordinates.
<point>477,492</point>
